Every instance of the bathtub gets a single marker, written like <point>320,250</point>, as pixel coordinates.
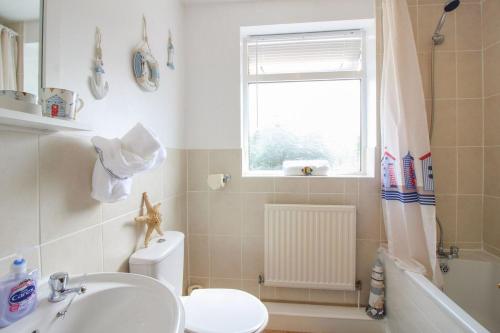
<point>470,301</point>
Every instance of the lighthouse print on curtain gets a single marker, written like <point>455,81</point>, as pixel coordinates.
<point>406,164</point>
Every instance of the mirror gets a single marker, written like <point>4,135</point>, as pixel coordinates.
<point>21,45</point>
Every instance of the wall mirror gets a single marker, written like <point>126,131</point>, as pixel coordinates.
<point>21,27</point>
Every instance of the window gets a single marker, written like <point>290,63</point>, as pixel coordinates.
<point>304,99</point>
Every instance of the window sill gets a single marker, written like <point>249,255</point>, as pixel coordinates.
<point>280,175</point>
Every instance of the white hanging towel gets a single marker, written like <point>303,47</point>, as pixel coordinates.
<point>119,159</point>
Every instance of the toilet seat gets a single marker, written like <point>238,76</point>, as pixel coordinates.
<point>224,311</point>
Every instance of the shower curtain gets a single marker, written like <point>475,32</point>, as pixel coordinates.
<point>8,60</point>
<point>406,163</point>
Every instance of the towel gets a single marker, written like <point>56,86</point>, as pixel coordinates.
<point>376,302</point>
<point>118,160</point>
<point>306,168</point>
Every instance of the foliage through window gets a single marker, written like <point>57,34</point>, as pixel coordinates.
<point>303,100</point>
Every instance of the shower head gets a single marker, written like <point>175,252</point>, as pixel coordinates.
<point>451,5</point>
<point>438,37</point>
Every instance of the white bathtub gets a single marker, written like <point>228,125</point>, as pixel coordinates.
<point>471,283</point>
<point>414,304</point>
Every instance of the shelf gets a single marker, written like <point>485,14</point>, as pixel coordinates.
<point>22,120</point>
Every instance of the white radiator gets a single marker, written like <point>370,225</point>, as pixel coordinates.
<point>309,246</point>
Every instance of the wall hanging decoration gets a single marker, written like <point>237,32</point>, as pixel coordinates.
<point>170,52</point>
<point>145,67</point>
<point>152,218</point>
<point>98,85</point>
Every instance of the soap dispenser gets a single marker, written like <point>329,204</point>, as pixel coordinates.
<point>18,292</point>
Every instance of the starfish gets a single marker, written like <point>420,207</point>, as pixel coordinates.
<point>152,218</point>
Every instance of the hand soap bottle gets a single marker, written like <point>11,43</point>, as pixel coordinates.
<point>18,293</point>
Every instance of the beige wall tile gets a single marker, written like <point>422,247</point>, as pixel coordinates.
<point>492,70</point>
<point>491,171</point>
<point>197,170</point>
<point>257,184</point>
<point>470,170</point>
<point>291,185</point>
<point>76,254</point>
<point>291,198</point>
<point>445,169</point>
<point>175,173</point>
<point>292,294</point>
<point>368,216</point>
<point>492,121</point>
<point>327,185</point>
<point>327,199</point>
<point>225,257</point>
<point>174,212</point>
<point>121,238</point>
<point>225,213</point>
<point>469,74</point>
<point>327,296</point>
<point>199,253</point>
<point>19,194</point>
<point>253,212</point>
<point>227,162</point>
<point>469,218</point>
<point>446,211</point>
<point>491,234</point>
<point>446,74</point>
<point>149,181</point>
<point>491,24</point>
<point>226,283</point>
<point>469,36</point>
<point>469,122</point>
<point>253,257</point>
<point>66,165</point>
<point>198,215</point>
<point>445,123</point>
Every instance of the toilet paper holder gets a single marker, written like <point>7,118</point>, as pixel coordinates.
<point>218,181</point>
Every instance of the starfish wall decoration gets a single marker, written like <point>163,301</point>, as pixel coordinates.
<point>152,218</point>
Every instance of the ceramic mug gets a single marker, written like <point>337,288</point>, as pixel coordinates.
<point>60,103</point>
<point>19,96</point>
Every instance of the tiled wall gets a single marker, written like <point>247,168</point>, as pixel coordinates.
<point>491,43</point>
<point>226,228</point>
<point>457,144</point>
<point>48,213</point>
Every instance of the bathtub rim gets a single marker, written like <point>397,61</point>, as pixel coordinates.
<point>440,298</point>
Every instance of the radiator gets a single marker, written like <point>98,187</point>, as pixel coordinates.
<point>309,246</point>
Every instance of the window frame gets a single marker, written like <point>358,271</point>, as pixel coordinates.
<point>247,79</point>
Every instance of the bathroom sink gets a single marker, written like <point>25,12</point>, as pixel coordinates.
<point>113,302</point>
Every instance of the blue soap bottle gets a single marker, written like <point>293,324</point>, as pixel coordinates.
<point>18,293</point>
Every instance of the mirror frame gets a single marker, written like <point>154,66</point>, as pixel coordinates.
<point>41,50</point>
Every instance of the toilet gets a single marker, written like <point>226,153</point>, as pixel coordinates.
<point>206,310</point>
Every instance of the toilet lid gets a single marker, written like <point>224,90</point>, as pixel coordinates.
<point>224,311</point>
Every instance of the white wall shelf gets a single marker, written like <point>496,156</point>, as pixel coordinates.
<point>25,121</point>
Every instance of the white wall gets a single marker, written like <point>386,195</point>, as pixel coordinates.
<point>213,58</point>
<point>52,217</point>
<point>70,49</point>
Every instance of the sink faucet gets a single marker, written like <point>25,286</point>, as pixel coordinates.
<point>57,283</point>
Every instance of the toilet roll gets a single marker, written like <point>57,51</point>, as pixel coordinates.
<point>216,181</point>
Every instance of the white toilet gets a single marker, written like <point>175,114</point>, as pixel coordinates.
<point>206,310</point>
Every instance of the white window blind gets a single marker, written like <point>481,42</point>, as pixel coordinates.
<point>317,52</point>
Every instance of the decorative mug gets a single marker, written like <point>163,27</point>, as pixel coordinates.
<point>60,103</point>
<point>19,96</point>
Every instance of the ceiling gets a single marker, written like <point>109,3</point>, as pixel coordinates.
<point>19,10</point>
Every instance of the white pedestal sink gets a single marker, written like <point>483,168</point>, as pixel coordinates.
<point>113,302</point>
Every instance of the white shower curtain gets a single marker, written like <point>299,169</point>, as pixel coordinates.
<point>9,61</point>
<point>407,180</point>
